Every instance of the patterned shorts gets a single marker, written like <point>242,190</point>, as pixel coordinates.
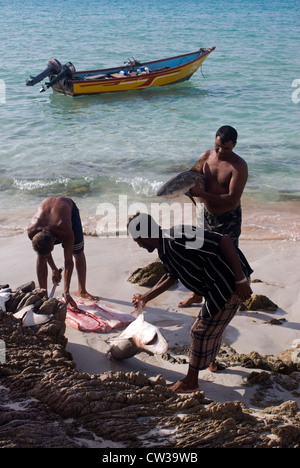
<point>226,223</point>
<point>206,335</point>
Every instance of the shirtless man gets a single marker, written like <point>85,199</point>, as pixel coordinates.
<point>57,221</point>
<point>226,175</point>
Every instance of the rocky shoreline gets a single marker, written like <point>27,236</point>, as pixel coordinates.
<point>46,403</point>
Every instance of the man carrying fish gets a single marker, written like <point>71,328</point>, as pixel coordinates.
<point>57,221</point>
<point>226,175</point>
<point>214,268</point>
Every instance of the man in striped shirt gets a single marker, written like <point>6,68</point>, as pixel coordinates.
<point>57,221</point>
<point>207,263</point>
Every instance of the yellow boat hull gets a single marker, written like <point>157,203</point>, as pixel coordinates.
<point>137,82</point>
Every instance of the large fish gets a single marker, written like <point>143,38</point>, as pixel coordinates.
<point>29,317</point>
<point>181,184</point>
<point>138,336</point>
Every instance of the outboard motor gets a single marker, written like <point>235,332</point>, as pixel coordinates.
<point>67,71</point>
<point>53,67</point>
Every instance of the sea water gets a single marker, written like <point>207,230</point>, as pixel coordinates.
<point>95,149</point>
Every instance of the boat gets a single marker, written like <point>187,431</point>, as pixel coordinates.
<point>133,75</point>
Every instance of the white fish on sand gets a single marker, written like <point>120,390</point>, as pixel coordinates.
<point>4,297</point>
<point>181,184</point>
<point>29,318</point>
<point>138,336</point>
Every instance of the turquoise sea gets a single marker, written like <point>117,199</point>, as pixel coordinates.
<point>96,148</point>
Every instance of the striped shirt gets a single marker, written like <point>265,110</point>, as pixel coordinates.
<point>203,270</point>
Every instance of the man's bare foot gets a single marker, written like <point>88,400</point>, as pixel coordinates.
<point>193,299</point>
<point>182,387</point>
<point>212,367</point>
<point>86,295</point>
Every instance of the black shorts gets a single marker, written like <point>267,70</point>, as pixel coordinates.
<point>77,230</point>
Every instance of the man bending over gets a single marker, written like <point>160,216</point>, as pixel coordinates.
<point>215,269</point>
<point>57,221</point>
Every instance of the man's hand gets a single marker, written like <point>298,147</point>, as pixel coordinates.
<point>161,286</point>
<point>56,275</point>
<point>138,299</point>
<point>70,301</point>
<point>243,291</point>
<point>197,191</point>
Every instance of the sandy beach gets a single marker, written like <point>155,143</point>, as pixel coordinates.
<point>110,262</point>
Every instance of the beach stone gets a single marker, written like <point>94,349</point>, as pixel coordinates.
<point>259,302</point>
<point>261,378</point>
<point>288,408</point>
<point>296,343</point>
<point>288,434</point>
<point>49,307</point>
<point>32,299</point>
<point>296,356</point>
<point>149,275</point>
<point>42,293</point>
<point>274,321</point>
<point>29,299</point>
<point>295,376</point>
<point>27,287</point>
<point>280,363</point>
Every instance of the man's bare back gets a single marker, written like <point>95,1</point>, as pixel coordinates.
<point>53,215</point>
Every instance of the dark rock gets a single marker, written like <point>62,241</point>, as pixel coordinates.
<point>149,275</point>
<point>49,307</point>
<point>259,302</point>
<point>27,287</point>
<point>276,321</point>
